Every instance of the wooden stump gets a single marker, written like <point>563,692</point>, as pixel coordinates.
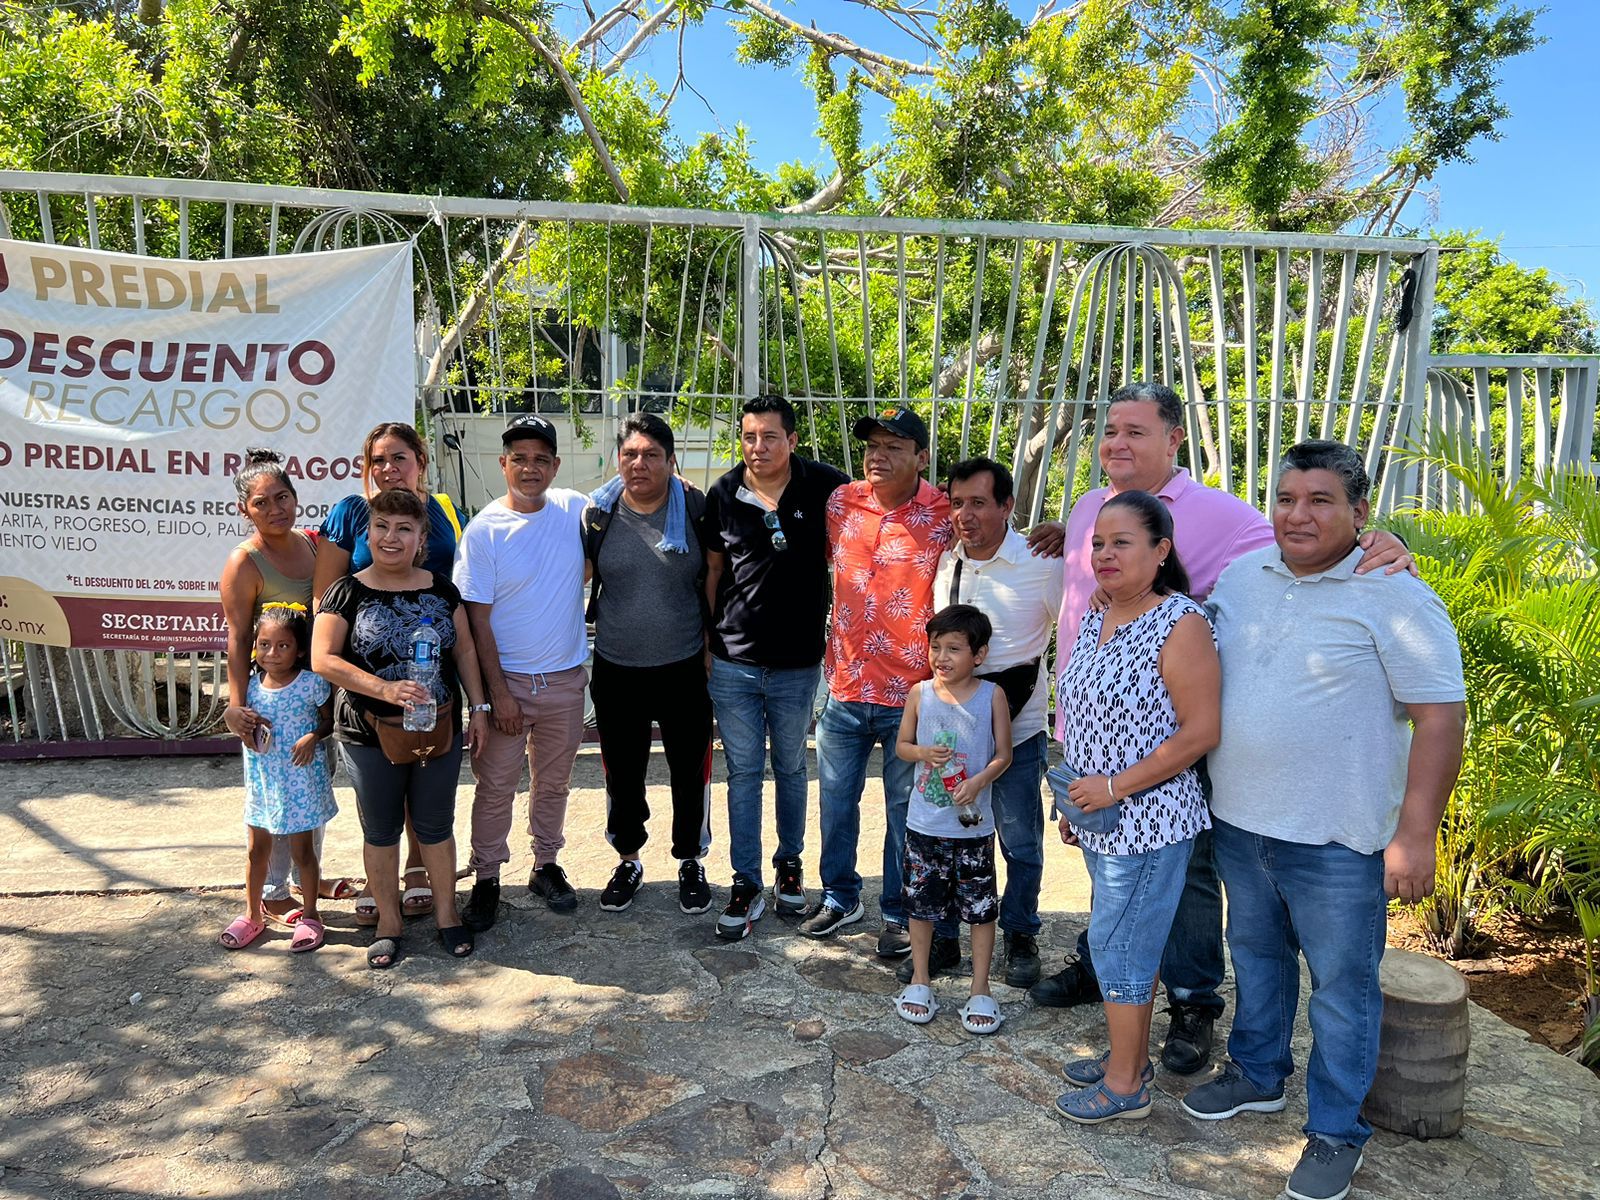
<point>1421,1085</point>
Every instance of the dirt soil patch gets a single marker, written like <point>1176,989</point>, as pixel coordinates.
<point>1526,972</point>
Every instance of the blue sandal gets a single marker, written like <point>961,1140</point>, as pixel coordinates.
<point>1098,1104</point>
<point>1086,1072</point>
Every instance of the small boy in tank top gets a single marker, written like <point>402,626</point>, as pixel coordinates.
<point>957,730</point>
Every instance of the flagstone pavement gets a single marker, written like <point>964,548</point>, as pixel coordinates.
<point>586,1056</point>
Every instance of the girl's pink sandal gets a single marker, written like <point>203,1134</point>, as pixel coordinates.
<point>308,935</point>
<point>241,933</point>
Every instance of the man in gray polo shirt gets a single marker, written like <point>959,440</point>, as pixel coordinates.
<point>1342,718</point>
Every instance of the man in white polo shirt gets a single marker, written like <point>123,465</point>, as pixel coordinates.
<point>1343,708</point>
<point>991,568</point>
<point>520,570</point>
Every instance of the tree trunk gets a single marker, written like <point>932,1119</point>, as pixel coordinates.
<point>1421,1084</point>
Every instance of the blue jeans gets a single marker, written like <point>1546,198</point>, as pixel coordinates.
<point>1326,902</point>
<point>846,733</point>
<point>1135,896</point>
<point>1019,818</point>
<point>753,704</point>
<point>1192,965</point>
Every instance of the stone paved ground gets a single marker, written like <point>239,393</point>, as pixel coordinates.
<point>598,1055</point>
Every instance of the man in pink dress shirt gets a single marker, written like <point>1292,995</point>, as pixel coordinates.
<point>1139,452</point>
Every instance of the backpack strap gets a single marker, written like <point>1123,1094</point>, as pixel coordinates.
<point>596,521</point>
<point>450,512</point>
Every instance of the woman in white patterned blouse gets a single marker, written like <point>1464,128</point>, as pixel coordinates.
<point>1141,694</point>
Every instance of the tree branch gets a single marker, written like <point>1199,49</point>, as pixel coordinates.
<point>680,80</point>
<point>825,197</point>
<point>838,44</point>
<point>893,12</point>
<point>484,9</point>
<point>603,25</point>
<point>954,375</point>
<point>639,38</point>
<point>472,311</point>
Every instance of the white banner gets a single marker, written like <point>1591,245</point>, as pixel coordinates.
<point>129,388</point>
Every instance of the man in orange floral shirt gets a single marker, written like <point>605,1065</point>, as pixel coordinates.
<point>885,534</point>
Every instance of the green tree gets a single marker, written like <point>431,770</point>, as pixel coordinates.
<point>1487,304</point>
<point>250,91</point>
<point>1259,159</point>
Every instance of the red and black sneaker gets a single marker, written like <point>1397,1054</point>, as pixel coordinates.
<point>745,908</point>
<point>789,891</point>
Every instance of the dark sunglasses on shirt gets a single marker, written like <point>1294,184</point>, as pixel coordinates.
<point>779,541</point>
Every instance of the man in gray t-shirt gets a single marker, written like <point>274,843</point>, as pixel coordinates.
<point>1342,719</point>
<point>644,538</point>
<point>649,613</point>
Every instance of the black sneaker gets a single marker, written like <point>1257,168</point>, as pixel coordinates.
<point>694,893</point>
<point>1230,1094</point>
<point>550,882</point>
<point>1188,1045</point>
<point>788,892</point>
<point>826,920</point>
<point>1067,988</point>
<point>894,941</point>
<point>624,885</point>
<point>483,906</point>
<point>745,908</point>
<point>1324,1170</point>
<point>944,955</point>
<point>1022,960</point>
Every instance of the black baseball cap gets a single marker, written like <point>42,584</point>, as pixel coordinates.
<point>530,425</point>
<point>896,419</point>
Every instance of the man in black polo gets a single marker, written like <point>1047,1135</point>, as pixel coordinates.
<point>767,584</point>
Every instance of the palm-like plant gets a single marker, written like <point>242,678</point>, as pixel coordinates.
<point>1589,920</point>
<point>1519,576</point>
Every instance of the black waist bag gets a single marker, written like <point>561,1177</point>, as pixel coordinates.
<point>1017,683</point>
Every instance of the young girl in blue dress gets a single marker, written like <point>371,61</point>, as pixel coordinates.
<point>287,782</point>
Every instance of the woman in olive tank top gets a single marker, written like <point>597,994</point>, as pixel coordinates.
<point>274,565</point>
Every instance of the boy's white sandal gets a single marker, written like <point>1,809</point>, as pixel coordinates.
<point>919,994</point>
<point>981,1006</point>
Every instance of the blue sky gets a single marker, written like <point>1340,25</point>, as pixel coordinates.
<point>1538,187</point>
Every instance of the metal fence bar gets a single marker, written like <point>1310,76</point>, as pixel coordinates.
<point>1542,421</point>
<point>1003,375</point>
<point>1304,388</point>
<point>936,358</point>
<point>8,675</point>
<point>1336,352</point>
<point>1252,461</point>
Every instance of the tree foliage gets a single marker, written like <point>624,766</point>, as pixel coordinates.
<point>1117,112</point>
<point>1519,578</point>
<point>252,91</point>
<point>1489,304</point>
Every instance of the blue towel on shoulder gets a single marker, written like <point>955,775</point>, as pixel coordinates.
<point>674,537</point>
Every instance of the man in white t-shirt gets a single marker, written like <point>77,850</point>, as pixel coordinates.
<point>991,568</point>
<point>520,570</point>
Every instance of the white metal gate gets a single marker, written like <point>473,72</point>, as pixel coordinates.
<point>1008,337</point>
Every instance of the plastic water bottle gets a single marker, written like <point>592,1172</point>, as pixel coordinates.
<point>423,669</point>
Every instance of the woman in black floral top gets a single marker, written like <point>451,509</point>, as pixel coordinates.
<point>362,645</point>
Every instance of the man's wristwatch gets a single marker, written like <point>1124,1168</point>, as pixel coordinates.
<point>484,707</point>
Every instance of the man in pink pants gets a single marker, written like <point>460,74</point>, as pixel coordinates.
<point>520,570</point>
